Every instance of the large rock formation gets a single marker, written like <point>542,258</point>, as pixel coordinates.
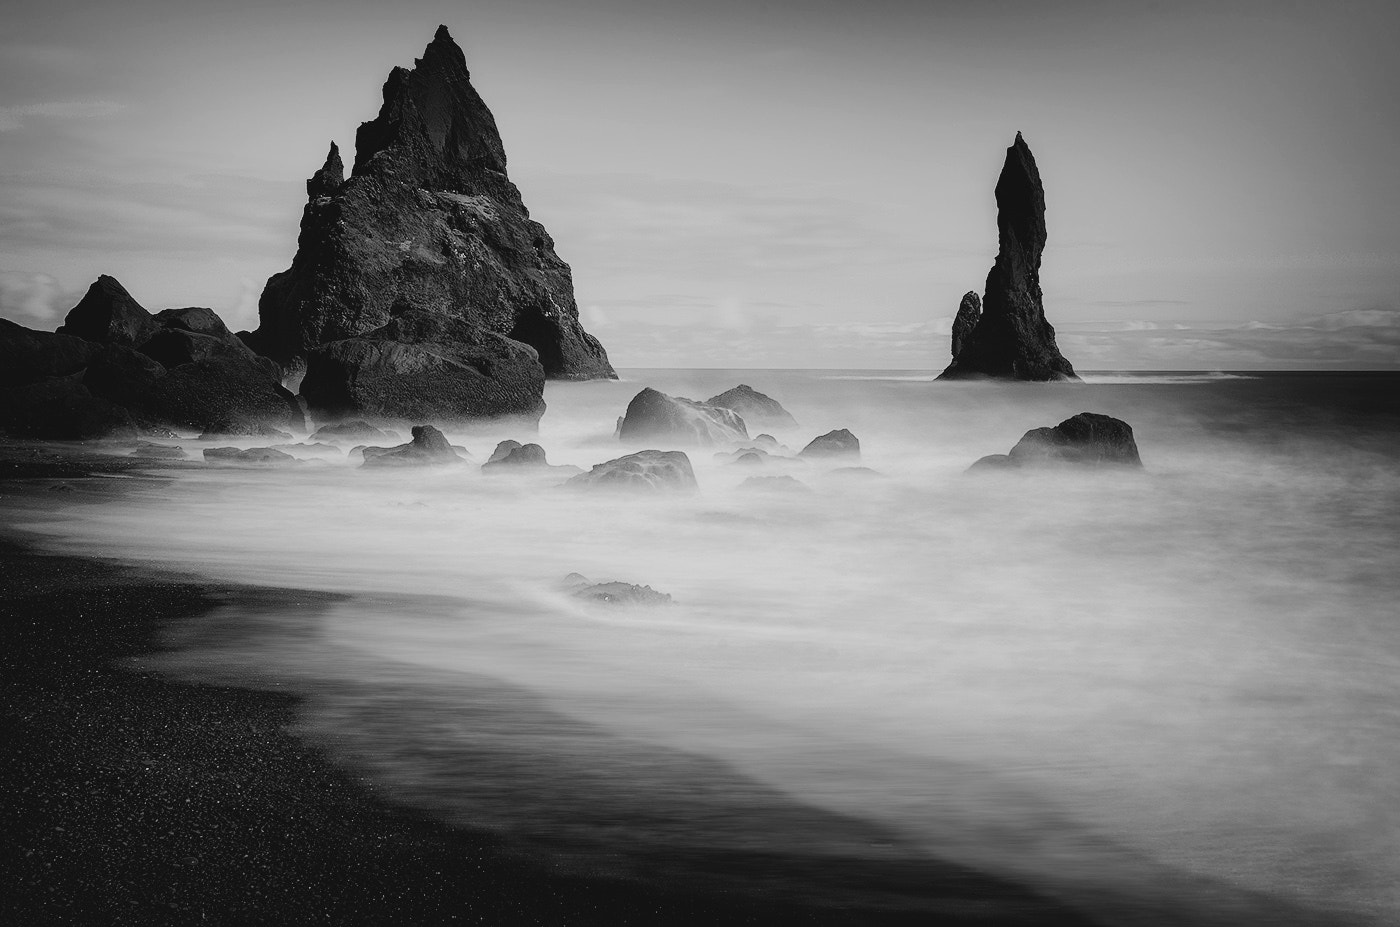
<point>427,221</point>
<point>113,366</point>
<point>424,365</point>
<point>654,415</point>
<point>1010,338</point>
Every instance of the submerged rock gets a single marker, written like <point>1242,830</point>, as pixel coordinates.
<point>652,471</point>
<point>526,455</point>
<point>427,218</point>
<point>422,365</point>
<point>428,447</point>
<point>784,484</point>
<point>753,407</point>
<point>253,456</point>
<point>352,431</point>
<point>1009,337</point>
<point>503,450</point>
<point>145,449</point>
<point>1086,439</point>
<point>838,443</point>
<point>652,415</point>
<point>613,593</point>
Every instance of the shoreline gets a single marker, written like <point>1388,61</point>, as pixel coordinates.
<point>135,798</point>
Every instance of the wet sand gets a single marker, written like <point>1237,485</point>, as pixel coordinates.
<point>131,797</point>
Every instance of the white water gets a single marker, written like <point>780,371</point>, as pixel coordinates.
<point>1082,680</point>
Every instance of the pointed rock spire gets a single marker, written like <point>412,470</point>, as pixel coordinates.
<point>1011,338</point>
<point>427,222</point>
<point>108,314</point>
<point>328,180</point>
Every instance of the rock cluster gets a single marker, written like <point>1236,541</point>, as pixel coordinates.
<point>428,222</point>
<point>1086,439</point>
<point>429,447</point>
<point>113,367</point>
<point>1007,336</point>
<point>653,415</point>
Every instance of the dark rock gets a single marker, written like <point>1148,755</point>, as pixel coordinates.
<point>785,484</point>
<point>61,408</point>
<point>223,395</point>
<point>123,375</point>
<point>194,334</point>
<point>655,471</point>
<point>753,407</point>
<point>526,455</point>
<point>422,365</point>
<point>428,447</point>
<point>351,431</point>
<point>839,443</point>
<point>27,356</point>
<point>1011,338</point>
<point>614,593</point>
<point>654,415</point>
<point>108,315</point>
<point>430,218</point>
<point>503,450</point>
<point>969,311</point>
<point>253,456</point>
<point>1086,438</point>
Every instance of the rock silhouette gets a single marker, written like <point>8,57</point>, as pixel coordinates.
<point>1009,337</point>
<point>839,443</point>
<point>1086,439</point>
<point>428,221</point>
<point>654,415</point>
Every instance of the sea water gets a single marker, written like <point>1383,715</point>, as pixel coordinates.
<point>1162,694</point>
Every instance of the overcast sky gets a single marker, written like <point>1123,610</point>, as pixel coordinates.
<point>736,184</point>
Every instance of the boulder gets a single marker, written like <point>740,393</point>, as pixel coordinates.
<point>839,443</point>
<point>428,216</point>
<point>753,407</point>
<point>422,365</point>
<point>27,356</point>
<point>1008,336</point>
<point>503,450</point>
<point>253,456</point>
<point>524,456</point>
<point>429,447</point>
<point>107,314</point>
<point>652,415</point>
<point>648,471</point>
<point>62,409</point>
<point>223,395</point>
<point>771,444</point>
<point>1087,439</point>
<point>352,431</point>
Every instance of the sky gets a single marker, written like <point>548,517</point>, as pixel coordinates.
<point>799,183</point>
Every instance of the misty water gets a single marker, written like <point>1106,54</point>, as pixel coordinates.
<point>1149,694</point>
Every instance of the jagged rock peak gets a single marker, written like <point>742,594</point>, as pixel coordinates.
<point>108,314</point>
<point>1011,338</point>
<point>330,178</point>
<point>969,311</point>
<point>434,114</point>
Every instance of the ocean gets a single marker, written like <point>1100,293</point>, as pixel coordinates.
<point>1165,696</point>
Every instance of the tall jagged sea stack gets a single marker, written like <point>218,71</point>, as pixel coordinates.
<point>427,222</point>
<point>1008,336</point>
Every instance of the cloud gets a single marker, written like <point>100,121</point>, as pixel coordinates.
<point>13,117</point>
<point>35,300</point>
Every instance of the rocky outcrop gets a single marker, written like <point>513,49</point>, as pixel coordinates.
<point>756,409</point>
<point>1086,439</point>
<point>1010,338</point>
<point>503,450</point>
<point>521,456</point>
<point>834,444</point>
<point>108,315</point>
<point>652,415</point>
<point>427,220</point>
<point>429,447</point>
<point>113,367</point>
<point>647,471</point>
<point>424,365</point>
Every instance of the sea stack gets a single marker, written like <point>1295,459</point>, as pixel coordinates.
<point>426,222</point>
<point>1008,336</point>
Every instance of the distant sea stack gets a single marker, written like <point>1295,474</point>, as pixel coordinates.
<point>1007,336</point>
<point>427,222</point>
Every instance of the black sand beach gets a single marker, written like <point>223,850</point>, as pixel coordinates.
<point>132,798</point>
